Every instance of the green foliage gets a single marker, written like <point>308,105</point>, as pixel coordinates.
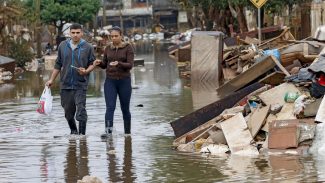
<point>21,52</point>
<point>81,11</point>
<point>273,6</point>
<point>276,6</point>
<point>205,4</point>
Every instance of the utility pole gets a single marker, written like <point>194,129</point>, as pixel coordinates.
<point>38,28</point>
<point>121,15</point>
<point>95,24</point>
<point>104,14</point>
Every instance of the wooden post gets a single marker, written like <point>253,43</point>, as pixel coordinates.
<point>38,28</point>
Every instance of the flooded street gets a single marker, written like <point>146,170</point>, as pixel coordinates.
<point>36,148</point>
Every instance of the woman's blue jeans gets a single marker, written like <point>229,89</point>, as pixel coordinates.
<point>121,88</point>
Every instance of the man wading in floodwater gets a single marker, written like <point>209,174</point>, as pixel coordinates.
<point>74,63</point>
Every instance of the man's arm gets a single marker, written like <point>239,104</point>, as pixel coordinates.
<point>55,73</point>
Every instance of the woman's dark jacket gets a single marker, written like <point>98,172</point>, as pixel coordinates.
<point>124,54</point>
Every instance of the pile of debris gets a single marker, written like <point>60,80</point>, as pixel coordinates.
<point>279,119</point>
<point>240,54</point>
<point>5,75</point>
<point>281,116</point>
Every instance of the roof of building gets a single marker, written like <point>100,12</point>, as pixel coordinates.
<point>5,60</point>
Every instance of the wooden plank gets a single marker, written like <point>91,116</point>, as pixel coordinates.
<point>248,76</point>
<point>273,79</point>
<point>226,55</point>
<point>182,139</point>
<point>276,94</point>
<point>281,67</point>
<point>231,62</point>
<point>286,112</point>
<point>269,119</point>
<point>204,114</point>
<point>228,74</point>
<point>237,135</point>
<point>320,116</point>
<point>257,119</point>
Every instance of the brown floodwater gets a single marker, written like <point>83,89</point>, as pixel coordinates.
<point>37,148</point>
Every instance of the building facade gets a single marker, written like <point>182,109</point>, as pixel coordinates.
<point>138,14</point>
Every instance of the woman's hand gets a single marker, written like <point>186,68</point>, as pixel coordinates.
<point>97,62</point>
<point>115,63</point>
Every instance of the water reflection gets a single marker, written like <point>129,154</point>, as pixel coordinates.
<point>165,73</point>
<point>124,172</point>
<point>77,161</point>
<point>204,93</point>
<point>44,164</point>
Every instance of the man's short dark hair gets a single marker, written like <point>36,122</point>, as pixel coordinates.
<point>75,26</point>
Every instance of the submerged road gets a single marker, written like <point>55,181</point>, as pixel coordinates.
<point>36,148</point>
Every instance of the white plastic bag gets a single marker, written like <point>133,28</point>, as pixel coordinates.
<point>45,102</point>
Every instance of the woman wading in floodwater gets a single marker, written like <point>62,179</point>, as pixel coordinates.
<point>118,61</point>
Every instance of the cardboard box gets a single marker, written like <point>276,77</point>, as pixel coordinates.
<point>283,134</point>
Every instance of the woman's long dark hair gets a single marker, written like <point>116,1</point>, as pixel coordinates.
<point>118,29</point>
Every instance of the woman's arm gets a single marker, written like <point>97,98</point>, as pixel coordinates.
<point>103,64</point>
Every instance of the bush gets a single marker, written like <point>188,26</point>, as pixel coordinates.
<point>21,52</point>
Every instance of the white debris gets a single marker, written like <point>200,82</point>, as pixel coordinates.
<point>214,149</point>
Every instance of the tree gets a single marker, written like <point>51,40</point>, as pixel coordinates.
<point>10,11</point>
<point>59,12</point>
<point>216,12</point>
<point>239,6</point>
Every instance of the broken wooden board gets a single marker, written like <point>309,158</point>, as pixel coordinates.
<point>269,119</point>
<point>281,67</point>
<point>276,94</point>
<point>182,139</point>
<point>248,40</point>
<point>276,42</point>
<point>286,112</point>
<point>248,76</point>
<point>204,114</point>
<point>283,134</point>
<point>228,74</point>
<point>273,79</point>
<point>320,116</point>
<point>238,136</point>
<point>306,53</point>
<point>257,120</point>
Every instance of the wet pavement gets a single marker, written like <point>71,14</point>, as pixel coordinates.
<point>36,148</point>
